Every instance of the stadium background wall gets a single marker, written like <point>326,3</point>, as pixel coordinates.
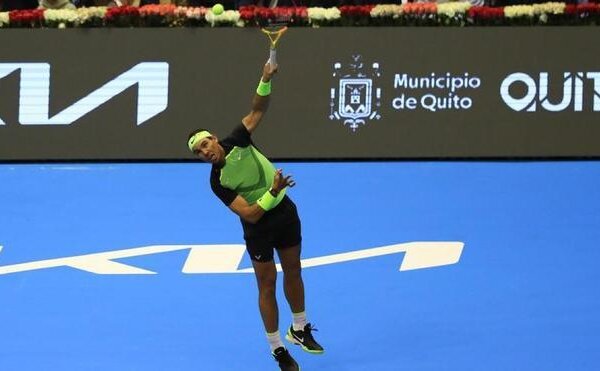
<point>401,77</point>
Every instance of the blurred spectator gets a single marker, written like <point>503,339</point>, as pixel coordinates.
<point>163,2</point>
<point>326,3</point>
<point>56,4</point>
<point>236,4</point>
<point>473,2</point>
<point>270,3</point>
<point>8,5</point>
<point>109,3</point>
<point>355,2</point>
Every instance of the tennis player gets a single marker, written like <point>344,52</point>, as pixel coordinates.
<point>248,183</point>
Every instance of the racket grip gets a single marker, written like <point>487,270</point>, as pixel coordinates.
<point>272,57</point>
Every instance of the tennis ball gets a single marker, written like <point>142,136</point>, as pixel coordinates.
<point>217,9</point>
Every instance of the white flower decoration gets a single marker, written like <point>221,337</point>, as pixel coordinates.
<point>386,10</point>
<point>4,19</point>
<point>518,11</point>
<point>61,16</point>
<point>451,9</point>
<point>323,14</point>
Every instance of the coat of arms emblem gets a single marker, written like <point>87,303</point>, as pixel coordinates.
<point>355,100</point>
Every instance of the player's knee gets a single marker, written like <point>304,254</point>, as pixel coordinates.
<point>266,284</point>
<point>267,281</point>
<point>292,271</point>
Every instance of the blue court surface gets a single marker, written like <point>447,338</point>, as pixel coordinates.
<point>522,294</point>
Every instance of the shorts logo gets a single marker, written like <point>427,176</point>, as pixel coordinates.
<point>356,99</point>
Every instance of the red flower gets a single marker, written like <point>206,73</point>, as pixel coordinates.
<point>420,8</point>
<point>356,10</point>
<point>115,12</point>
<point>26,16</point>
<point>571,9</point>
<point>588,8</point>
<point>154,9</point>
<point>301,12</point>
<point>291,13</point>
<point>278,14</point>
<point>247,13</point>
<point>265,13</point>
<point>485,12</point>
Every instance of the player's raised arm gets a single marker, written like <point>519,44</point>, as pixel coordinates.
<point>260,103</point>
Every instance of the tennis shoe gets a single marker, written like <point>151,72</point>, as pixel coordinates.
<point>286,362</point>
<point>305,339</point>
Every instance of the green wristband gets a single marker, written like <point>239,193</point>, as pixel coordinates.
<point>267,201</point>
<point>264,88</point>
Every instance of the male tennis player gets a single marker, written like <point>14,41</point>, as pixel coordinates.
<point>248,183</point>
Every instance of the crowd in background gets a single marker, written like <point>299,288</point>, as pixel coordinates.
<point>7,5</point>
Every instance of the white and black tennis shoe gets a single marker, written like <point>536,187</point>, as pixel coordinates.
<point>305,339</point>
<point>285,360</point>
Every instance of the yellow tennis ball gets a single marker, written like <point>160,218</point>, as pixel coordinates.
<point>217,9</point>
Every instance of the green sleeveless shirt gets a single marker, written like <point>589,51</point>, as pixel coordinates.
<point>246,172</point>
<point>249,173</point>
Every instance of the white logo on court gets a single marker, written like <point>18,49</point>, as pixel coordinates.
<point>227,258</point>
<point>356,99</point>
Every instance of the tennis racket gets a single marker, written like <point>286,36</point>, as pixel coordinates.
<point>274,32</point>
<point>275,26</point>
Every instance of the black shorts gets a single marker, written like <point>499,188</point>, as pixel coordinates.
<point>278,228</point>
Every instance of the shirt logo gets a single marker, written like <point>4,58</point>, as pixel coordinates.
<point>356,99</point>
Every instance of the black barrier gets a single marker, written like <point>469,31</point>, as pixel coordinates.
<point>341,93</point>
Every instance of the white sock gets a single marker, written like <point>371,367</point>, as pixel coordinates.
<point>274,340</point>
<point>299,321</point>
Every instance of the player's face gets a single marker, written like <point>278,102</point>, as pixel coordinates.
<point>209,150</point>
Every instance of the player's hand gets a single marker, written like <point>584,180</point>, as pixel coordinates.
<point>268,71</point>
<point>280,181</point>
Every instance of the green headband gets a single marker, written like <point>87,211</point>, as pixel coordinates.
<point>196,138</point>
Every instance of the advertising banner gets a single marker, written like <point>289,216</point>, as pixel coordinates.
<point>340,93</point>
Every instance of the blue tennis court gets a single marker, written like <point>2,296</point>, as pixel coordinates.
<point>521,294</point>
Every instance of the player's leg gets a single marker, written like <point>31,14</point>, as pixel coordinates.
<point>300,333</point>
<point>266,276</point>
<point>288,239</point>
<point>293,286</point>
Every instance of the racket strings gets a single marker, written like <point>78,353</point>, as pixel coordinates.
<point>274,36</point>
<point>274,30</point>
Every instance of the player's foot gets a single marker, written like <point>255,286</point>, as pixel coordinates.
<point>305,339</point>
<point>286,362</point>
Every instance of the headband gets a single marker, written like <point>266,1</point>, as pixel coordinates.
<point>197,138</point>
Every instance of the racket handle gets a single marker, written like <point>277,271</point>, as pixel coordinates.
<point>272,57</point>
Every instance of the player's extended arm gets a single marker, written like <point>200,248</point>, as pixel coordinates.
<point>253,213</point>
<point>260,103</point>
